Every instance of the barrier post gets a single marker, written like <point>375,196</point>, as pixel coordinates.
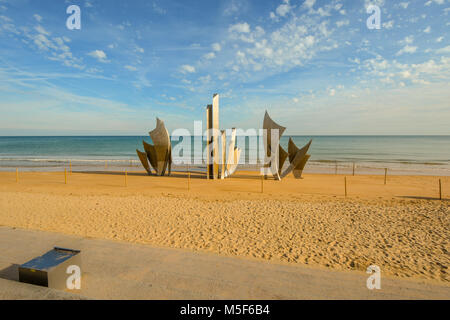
<point>385,176</point>
<point>353,169</point>
<point>189,181</point>
<point>440,189</point>
<point>345,186</point>
<point>262,184</point>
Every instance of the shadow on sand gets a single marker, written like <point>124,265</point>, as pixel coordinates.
<point>174,175</point>
<point>423,198</point>
<point>10,273</point>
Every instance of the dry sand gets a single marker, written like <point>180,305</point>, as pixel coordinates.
<point>398,227</point>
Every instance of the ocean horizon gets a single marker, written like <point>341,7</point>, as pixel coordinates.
<point>405,154</point>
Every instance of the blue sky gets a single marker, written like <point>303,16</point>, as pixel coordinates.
<point>313,64</point>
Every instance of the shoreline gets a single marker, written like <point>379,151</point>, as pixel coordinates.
<point>313,167</point>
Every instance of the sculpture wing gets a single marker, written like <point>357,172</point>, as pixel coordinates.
<point>231,168</point>
<point>297,159</point>
<point>151,154</point>
<point>161,140</point>
<point>143,157</point>
<point>298,171</point>
<point>268,126</point>
<point>282,156</point>
<point>292,150</point>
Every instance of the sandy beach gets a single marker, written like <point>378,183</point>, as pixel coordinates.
<point>401,227</point>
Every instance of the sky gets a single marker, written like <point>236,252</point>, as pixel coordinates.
<point>313,64</point>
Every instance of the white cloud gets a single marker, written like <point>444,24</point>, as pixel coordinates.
<point>435,1</point>
<point>420,73</point>
<point>439,39</point>
<point>55,48</point>
<point>444,50</point>
<point>216,47</point>
<point>284,8</point>
<point>240,28</point>
<point>210,55</point>
<point>43,43</point>
<point>158,9</point>
<point>234,7</point>
<point>37,17</point>
<point>379,3</point>
<point>342,23</point>
<point>139,49</point>
<point>41,30</point>
<point>407,40</point>
<point>130,68</point>
<point>407,49</point>
<point>427,29</point>
<point>290,45</point>
<point>309,3</point>
<point>187,69</point>
<point>100,55</point>
<point>324,12</point>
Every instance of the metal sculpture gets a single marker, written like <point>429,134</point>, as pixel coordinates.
<point>293,151</point>
<point>275,156</point>
<point>218,165</point>
<point>296,157</point>
<point>158,155</point>
<point>272,135</point>
<point>234,155</point>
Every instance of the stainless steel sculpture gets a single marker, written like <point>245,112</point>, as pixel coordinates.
<point>282,154</point>
<point>143,157</point>
<point>275,155</point>
<point>234,155</point>
<point>218,165</point>
<point>223,146</point>
<point>293,152</point>
<point>272,135</point>
<point>296,157</point>
<point>159,155</point>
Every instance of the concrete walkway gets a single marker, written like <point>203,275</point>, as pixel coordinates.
<point>117,270</point>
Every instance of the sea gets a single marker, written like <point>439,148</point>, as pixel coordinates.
<point>421,155</point>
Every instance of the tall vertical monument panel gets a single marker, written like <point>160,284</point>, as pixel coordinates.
<point>209,147</point>
<point>215,135</point>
